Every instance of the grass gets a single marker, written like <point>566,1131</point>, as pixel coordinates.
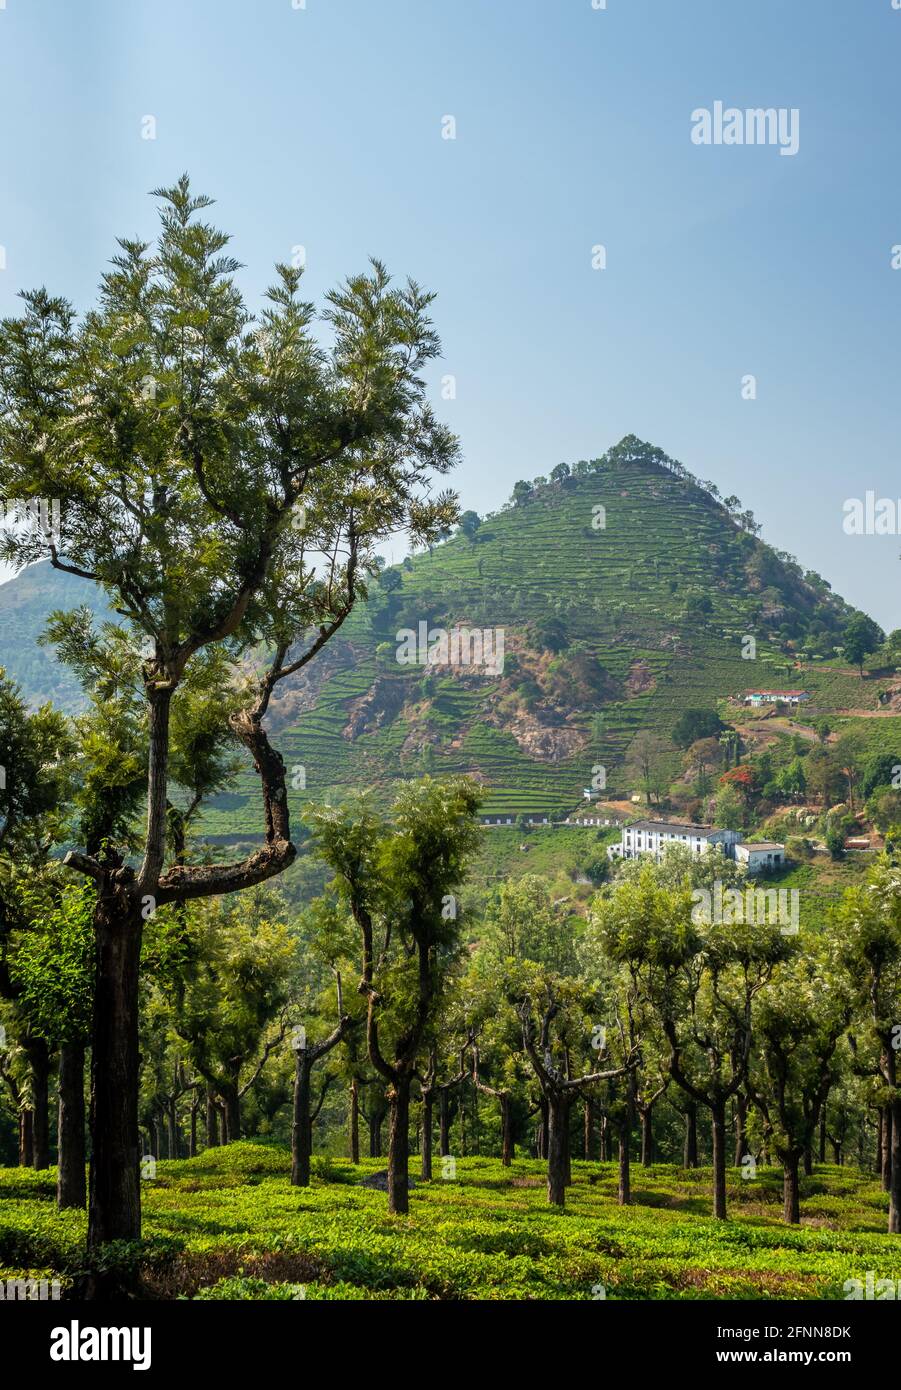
<point>229,1225</point>
<point>507,852</point>
<point>819,883</point>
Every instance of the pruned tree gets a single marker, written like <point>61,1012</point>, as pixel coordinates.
<point>398,877</point>
<point>798,1018</point>
<point>554,1028</point>
<point>51,972</point>
<point>705,1003</point>
<point>870,920</point>
<point>229,980</point>
<point>306,1055</point>
<point>36,791</point>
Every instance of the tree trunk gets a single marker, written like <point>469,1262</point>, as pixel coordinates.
<point>192,1142</point>
<point>39,1059</point>
<point>836,1152</point>
<point>26,1139</point>
<point>232,1103</point>
<point>624,1195</point>
<point>741,1115</point>
<point>154,1131</point>
<point>172,1116</point>
<point>604,1132</point>
<point>71,1190</point>
<point>690,1154</point>
<point>886,1147</point>
<point>808,1162</point>
<point>354,1120</point>
<point>791,1205</point>
<point>376,1120</point>
<point>718,1128</point>
<point>507,1146</point>
<point>543,1128</point>
<point>647,1138</point>
<point>557,1151</point>
<point>567,1149</point>
<point>212,1121</point>
<point>443,1122</point>
<point>399,1145</point>
<point>115,1184</point>
<point>822,1139</point>
<point>426,1145</point>
<point>114,1207</point>
<point>587,1126</point>
<point>302,1127</point>
<point>894,1210</point>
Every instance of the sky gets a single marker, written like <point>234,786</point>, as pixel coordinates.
<point>323,125</point>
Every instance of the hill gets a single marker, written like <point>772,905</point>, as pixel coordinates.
<point>613,595</point>
<point>26,603</point>
<point>625,591</point>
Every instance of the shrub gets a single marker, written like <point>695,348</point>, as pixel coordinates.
<point>835,841</point>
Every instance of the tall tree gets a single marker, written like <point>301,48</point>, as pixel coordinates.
<point>861,637</point>
<point>701,979</point>
<point>635,932</point>
<point>225,480</point>
<point>647,763</point>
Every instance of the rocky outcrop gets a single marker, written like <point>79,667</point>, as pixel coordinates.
<point>375,709</point>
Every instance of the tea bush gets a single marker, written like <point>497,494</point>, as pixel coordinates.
<point>229,1225</point>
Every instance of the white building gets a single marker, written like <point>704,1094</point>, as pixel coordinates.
<point>653,836</point>
<point>763,854</point>
<point>756,698</point>
<point>536,819</point>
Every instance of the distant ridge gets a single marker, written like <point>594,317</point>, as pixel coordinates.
<point>26,602</point>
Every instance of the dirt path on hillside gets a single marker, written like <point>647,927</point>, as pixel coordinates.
<point>869,713</point>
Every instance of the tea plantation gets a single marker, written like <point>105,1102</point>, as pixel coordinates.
<point>229,1225</point>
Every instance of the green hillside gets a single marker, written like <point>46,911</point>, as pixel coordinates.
<point>26,602</point>
<point>608,630</point>
<point>625,591</point>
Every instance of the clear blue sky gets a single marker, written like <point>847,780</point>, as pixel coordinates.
<point>321,126</point>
